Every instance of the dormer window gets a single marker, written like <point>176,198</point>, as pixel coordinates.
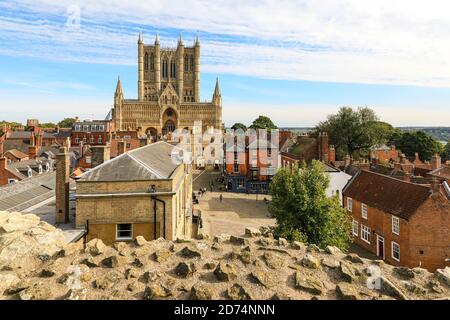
<point>30,173</point>
<point>40,169</point>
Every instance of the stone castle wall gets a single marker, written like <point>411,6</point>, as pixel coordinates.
<point>36,264</point>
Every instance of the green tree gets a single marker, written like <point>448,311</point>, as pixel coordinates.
<point>239,125</point>
<point>418,141</point>
<point>47,125</point>
<point>263,122</point>
<point>355,132</point>
<point>66,123</point>
<point>12,125</point>
<point>304,212</point>
<point>446,152</point>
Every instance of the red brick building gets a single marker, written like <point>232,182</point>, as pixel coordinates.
<point>385,154</point>
<point>94,133</point>
<point>403,223</point>
<point>250,167</point>
<point>305,148</point>
<point>132,140</point>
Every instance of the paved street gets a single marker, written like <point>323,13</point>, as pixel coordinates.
<point>234,213</point>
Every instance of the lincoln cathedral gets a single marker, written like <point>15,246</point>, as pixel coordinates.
<point>168,92</point>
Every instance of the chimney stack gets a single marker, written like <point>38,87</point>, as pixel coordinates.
<point>435,185</point>
<point>1,145</point>
<point>436,162</point>
<point>3,163</point>
<point>62,186</point>
<point>416,158</point>
<point>402,158</point>
<point>100,154</point>
<point>407,177</point>
<point>332,154</point>
<point>121,147</point>
<point>32,152</point>
<point>348,160</point>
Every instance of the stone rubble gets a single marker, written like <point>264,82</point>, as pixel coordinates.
<point>36,264</point>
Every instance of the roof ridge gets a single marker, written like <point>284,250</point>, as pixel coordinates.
<point>394,179</point>
<point>101,165</point>
<point>150,169</point>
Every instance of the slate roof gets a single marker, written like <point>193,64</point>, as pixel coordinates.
<point>19,135</point>
<point>387,194</point>
<point>24,194</point>
<point>146,163</point>
<point>17,144</point>
<point>63,133</point>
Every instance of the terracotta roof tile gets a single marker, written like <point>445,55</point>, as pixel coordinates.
<point>387,194</point>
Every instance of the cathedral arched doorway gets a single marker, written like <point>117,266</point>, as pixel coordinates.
<point>169,126</point>
<point>169,121</point>
<point>152,133</point>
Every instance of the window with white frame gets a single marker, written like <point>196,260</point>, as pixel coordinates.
<point>124,231</point>
<point>350,204</point>
<point>77,140</point>
<point>365,233</point>
<point>395,251</point>
<point>100,139</point>
<point>77,127</point>
<point>395,225</point>
<point>355,227</point>
<point>364,210</point>
<point>91,139</point>
<point>236,168</point>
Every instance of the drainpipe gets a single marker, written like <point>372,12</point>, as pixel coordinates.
<point>164,216</point>
<point>86,232</point>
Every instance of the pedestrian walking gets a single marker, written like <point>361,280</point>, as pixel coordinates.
<point>220,197</point>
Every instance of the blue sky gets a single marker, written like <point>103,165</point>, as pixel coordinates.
<point>295,61</point>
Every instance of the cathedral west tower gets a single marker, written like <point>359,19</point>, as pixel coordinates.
<point>168,92</point>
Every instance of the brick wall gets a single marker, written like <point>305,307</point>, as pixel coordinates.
<point>112,210</point>
<point>430,234</point>
<point>424,238</point>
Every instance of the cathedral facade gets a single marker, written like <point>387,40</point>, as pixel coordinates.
<point>168,92</point>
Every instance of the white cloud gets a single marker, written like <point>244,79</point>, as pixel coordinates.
<point>361,41</point>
